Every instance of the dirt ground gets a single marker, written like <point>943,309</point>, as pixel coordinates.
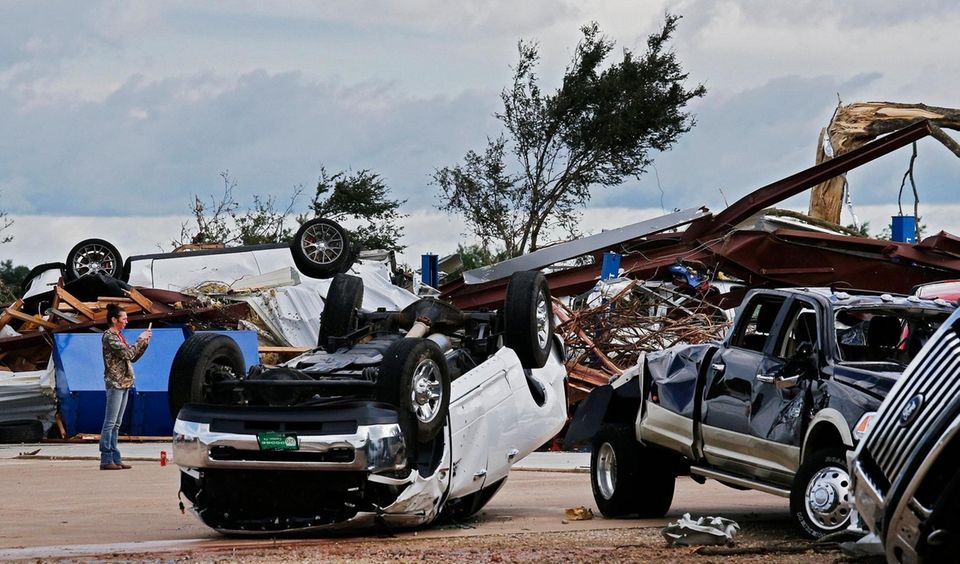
<point>70,510</point>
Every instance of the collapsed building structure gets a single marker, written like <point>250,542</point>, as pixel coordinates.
<point>747,241</point>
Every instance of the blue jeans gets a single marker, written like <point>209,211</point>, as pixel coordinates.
<point>113,416</point>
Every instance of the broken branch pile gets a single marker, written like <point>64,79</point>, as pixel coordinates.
<point>606,334</point>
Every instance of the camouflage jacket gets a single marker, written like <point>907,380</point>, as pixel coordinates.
<point>118,359</point>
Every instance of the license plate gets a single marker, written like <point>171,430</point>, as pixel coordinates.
<point>272,440</point>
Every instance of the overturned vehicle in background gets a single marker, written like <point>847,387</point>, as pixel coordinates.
<point>396,419</point>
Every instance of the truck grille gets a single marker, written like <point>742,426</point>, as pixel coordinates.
<point>934,375</point>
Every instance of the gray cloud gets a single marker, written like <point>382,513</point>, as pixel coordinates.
<point>150,144</point>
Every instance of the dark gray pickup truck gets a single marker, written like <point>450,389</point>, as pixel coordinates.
<point>774,407</point>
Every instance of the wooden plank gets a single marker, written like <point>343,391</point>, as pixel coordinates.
<point>55,303</point>
<point>75,303</point>
<point>31,319</point>
<point>142,300</point>
<point>146,303</point>
<point>284,350</point>
<point>6,317</point>
<point>113,300</point>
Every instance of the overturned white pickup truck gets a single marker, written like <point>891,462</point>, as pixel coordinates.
<point>398,418</point>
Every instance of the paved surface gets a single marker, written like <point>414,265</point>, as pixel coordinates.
<point>58,504</point>
<point>150,451</point>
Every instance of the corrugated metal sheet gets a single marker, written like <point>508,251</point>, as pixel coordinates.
<point>28,395</point>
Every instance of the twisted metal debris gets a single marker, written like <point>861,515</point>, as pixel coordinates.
<point>605,334</point>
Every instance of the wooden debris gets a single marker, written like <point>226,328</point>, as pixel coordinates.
<point>76,304</point>
<point>6,317</point>
<point>17,314</point>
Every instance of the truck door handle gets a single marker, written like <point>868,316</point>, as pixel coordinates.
<point>766,378</point>
<point>480,474</point>
<point>511,454</point>
<point>718,367</point>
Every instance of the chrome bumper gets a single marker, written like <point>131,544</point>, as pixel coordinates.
<point>375,448</point>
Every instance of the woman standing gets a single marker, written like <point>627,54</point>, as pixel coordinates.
<point>118,359</point>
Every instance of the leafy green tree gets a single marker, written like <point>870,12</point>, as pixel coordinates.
<point>221,221</point>
<point>475,256</point>
<point>363,197</point>
<point>11,278</point>
<point>596,129</point>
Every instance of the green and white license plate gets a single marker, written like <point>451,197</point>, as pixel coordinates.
<point>272,440</point>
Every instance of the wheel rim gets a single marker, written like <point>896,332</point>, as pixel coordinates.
<point>828,498</point>
<point>543,321</point>
<point>94,259</point>
<point>426,394</point>
<point>606,470</point>
<point>322,243</point>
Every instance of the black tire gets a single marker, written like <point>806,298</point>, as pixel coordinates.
<point>340,309</point>
<point>414,376</point>
<point>93,256</point>
<point>468,505</point>
<point>820,498</point>
<point>38,270</point>
<point>528,318</point>
<point>21,431</point>
<point>322,248</point>
<point>626,478</point>
<point>202,359</point>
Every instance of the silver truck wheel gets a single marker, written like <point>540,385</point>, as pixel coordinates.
<point>606,470</point>
<point>820,498</point>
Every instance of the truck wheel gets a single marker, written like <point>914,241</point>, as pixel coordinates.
<point>625,479</point>
<point>322,248</point>
<point>202,359</point>
<point>528,318</point>
<point>820,498</point>
<point>93,256</point>
<point>339,316</point>
<point>414,372</point>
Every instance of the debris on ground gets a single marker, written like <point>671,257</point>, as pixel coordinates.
<point>705,530</point>
<point>579,513</point>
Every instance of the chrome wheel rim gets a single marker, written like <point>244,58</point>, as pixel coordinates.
<point>828,498</point>
<point>606,470</point>
<point>543,321</point>
<point>426,393</point>
<point>94,259</point>
<point>322,243</point>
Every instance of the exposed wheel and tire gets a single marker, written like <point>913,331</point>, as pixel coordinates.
<point>21,431</point>
<point>414,373</point>
<point>626,478</point>
<point>322,248</point>
<point>204,358</point>
<point>820,498</point>
<point>528,318</point>
<point>93,256</point>
<point>339,316</point>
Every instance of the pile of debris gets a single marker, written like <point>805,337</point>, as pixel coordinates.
<point>605,332</point>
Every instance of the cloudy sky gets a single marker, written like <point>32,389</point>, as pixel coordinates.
<point>113,114</point>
